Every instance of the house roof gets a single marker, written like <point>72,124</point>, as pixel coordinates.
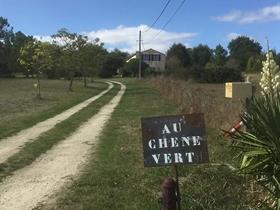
<point>145,51</point>
<point>152,51</point>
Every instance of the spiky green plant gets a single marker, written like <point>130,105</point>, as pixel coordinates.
<point>259,145</point>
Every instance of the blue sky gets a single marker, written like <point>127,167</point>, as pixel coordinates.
<point>116,22</point>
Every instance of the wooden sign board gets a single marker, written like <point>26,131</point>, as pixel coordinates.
<point>238,90</point>
<point>173,140</point>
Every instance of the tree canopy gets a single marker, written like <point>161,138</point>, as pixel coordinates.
<point>201,55</point>
<point>181,53</point>
<point>242,48</point>
<point>220,55</point>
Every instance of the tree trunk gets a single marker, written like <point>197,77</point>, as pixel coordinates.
<point>71,84</point>
<point>38,86</point>
<point>71,77</point>
<point>85,81</point>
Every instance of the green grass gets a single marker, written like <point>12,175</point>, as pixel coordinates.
<point>48,139</point>
<point>116,179</point>
<point>19,107</point>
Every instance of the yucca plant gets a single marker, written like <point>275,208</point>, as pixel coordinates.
<point>259,145</point>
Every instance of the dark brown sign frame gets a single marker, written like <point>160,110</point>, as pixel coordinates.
<point>174,140</point>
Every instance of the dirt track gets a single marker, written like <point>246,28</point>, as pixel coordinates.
<point>12,145</point>
<point>36,183</point>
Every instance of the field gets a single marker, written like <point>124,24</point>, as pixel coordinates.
<point>220,113</point>
<point>113,176</point>
<point>19,108</point>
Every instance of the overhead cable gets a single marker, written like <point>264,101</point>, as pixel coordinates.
<point>169,20</point>
<point>164,8</point>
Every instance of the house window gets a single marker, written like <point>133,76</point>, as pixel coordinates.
<point>151,57</point>
<point>145,57</point>
<point>156,58</point>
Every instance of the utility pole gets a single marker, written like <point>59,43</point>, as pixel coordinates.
<point>140,56</point>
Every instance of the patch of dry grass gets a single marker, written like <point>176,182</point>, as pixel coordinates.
<point>220,112</point>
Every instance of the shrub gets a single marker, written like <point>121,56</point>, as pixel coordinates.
<point>131,68</point>
<point>213,73</point>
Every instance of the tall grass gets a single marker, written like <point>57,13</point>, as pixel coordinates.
<point>219,111</point>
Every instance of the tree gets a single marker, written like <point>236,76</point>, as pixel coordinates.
<point>6,34</point>
<point>113,61</point>
<point>254,64</point>
<point>277,59</point>
<point>18,40</point>
<point>181,53</point>
<point>233,64</point>
<point>201,55</point>
<point>97,55</point>
<point>56,70</point>
<point>66,39</point>
<point>220,55</point>
<point>80,56</point>
<point>119,59</point>
<point>275,56</point>
<point>36,57</point>
<point>91,58</point>
<point>86,64</point>
<point>26,58</point>
<point>242,48</point>
<point>174,68</point>
<point>130,69</point>
<point>214,73</point>
<point>178,61</point>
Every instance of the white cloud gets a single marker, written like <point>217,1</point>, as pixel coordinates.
<point>232,16</point>
<point>270,13</point>
<point>49,39</point>
<point>125,38</point>
<point>232,36</point>
<point>43,38</point>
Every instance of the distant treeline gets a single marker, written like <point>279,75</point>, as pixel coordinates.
<point>216,65</point>
<point>72,55</point>
<point>68,56</point>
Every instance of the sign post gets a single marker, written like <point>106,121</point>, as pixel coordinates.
<point>174,140</point>
<point>178,188</point>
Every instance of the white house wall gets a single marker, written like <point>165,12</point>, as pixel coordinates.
<point>157,65</point>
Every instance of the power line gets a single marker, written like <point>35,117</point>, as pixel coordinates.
<point>170,19</point>
<point>164,8</point>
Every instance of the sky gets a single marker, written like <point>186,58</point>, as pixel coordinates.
<point>117,22</point>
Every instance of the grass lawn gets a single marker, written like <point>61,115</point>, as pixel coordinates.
<point>116,179</point>
<point>19,107</point>
<point>61,131</point>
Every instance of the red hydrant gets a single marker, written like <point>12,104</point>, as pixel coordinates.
<point>168,189</point>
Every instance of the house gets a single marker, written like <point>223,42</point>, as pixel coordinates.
<point>153,58</point>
